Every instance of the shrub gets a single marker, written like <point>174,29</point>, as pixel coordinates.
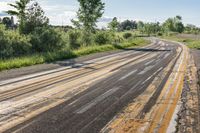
<point>46,40</point>
<point>20,43</point>
<point>127,35</point>
<point>73,39</point>
<point>159,34</point>
<point>184,40</point>
<point>13,44</point>
<point>102,38</point>
<point>40,58</point>
<point>86,38</point>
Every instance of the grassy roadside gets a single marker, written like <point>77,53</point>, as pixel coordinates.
<point>61,55</point>
<point>191,43</point>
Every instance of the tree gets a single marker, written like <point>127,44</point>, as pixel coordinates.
<point>140,26</point>
<point>173,25</point>
<point>114,24</point>
<point>148,28</point>
<point>76,24</point>
<point>89,13</point>
<point>179,27</point>
<point>7,22</point>
<point>20,12</point>
<point>157,27</point>
<point>191,29</point>
<point>35,17</point>
<point>152,28</point>
<point>168,25</point>
<point>179,18</point>
<point>128,25</point>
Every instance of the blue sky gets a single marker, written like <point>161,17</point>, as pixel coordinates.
<point>62,11</point>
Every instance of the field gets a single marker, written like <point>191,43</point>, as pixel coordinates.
<point>192,41</point>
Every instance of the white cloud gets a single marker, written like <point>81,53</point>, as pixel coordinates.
<point>63,18</point>
<point>4,6</point>
<point>58,14</point>
<point>62,15</point>
<point>106,19</point>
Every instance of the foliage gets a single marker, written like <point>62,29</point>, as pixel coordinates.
<point>127,35</point>
<point>45,39</point>
<point>63,54</point>
<point>89,12</point>
<point>159,33</point>
<point>173,25</point>
<point>179,27</point>
<point>76,24</point>
<point>20,11</point>
<point>151,28</point>
<point>74,39</point>
<point>168,25</point>
<point>103,37</point>
<point>140,26</point>
<point>86,38</point>
<point>195,44</point>
<point>114,24</point>
<point>191,29</point>
<point>13,44</point>
<point>34,18</point>
<point>7,22</point>
<point>127,25</point>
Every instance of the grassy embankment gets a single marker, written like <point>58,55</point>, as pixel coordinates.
<point>190,42</point>
<point>66,54</point>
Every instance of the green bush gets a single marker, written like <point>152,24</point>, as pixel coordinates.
<point>40,58</point>
<point>20,43</point>
<point>86,38</point>
<point>102,38</point>
<point>46,40</point>
<point>159,34</point>
<point>74,39</point>
<point>127,35</point>
<point>13,44</point>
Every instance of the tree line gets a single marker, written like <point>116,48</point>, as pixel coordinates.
<point>170,25</point>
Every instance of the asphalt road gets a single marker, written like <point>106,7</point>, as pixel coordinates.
<point>86,96</point>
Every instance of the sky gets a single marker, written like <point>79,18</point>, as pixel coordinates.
<point>60,12</point>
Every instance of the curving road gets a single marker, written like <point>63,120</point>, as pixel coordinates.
<point>87,96</point>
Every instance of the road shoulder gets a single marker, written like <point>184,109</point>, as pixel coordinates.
<point>188,116</point>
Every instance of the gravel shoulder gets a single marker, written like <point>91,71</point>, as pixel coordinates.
<point>189,114</point>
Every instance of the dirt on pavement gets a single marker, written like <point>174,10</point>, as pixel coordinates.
<point>189,114</point>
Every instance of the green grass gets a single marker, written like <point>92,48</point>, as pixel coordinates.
<point>191,43</point>
<point>195,44</point>
<point>134,33</point>
<point>66,54</point>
